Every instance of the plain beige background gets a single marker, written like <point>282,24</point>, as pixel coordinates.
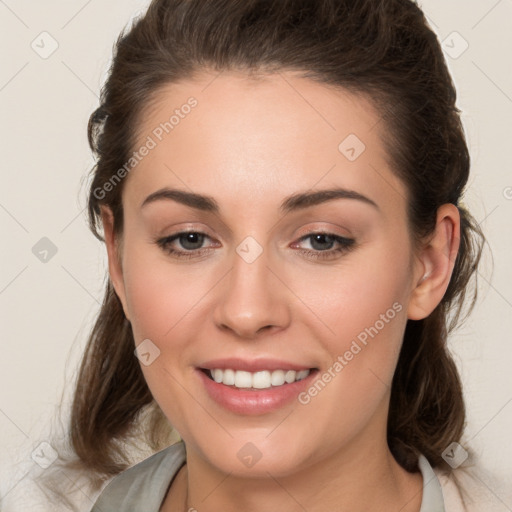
<point>47,307</point>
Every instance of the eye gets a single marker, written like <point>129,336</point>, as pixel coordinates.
<point>191,243</point>
<point>325,245</point>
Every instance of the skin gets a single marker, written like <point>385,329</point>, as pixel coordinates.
<point>249,144</point>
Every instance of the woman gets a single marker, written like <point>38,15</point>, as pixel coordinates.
<point>279,186</point>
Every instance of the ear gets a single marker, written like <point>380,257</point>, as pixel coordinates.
<point>435,262</point>
<point>114,252</point>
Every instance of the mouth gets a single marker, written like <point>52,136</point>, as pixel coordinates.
<point>256,381</point>
<point>254,386</point>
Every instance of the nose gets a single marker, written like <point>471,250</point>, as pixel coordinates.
<point>252,299</point>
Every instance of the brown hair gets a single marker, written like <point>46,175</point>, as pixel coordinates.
<point>381,49</point>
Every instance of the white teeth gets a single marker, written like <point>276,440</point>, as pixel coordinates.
<point>277,378</point>
<point>242,379</point>
<point>290,376</point>
<point>228,377</point>
<point>261,380</point>
<point>302,374</point>
<point>258,380</point>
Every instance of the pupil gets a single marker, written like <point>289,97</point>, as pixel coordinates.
<point>324,238</point>
<point>189,240</point>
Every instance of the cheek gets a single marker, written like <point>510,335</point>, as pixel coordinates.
<point>359,317</point>
<point>147,298</point>
<point>163,303</point>
<point>159,294</point>
<point>344,300</point>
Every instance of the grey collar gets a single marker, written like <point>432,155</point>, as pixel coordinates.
<point>432,500</point>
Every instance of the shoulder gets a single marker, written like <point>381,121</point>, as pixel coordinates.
<point>145,483</point>
<point>469,489</point>
<point>61,489</point>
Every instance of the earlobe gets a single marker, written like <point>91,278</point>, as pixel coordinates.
<point>435,263</point>
<point>112,244</point>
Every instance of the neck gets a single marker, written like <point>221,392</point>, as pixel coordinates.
<point>360,479</point>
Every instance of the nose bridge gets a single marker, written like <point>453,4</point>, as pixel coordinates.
<point>252,298</point>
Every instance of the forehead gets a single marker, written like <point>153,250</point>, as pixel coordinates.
<point>237,137</point>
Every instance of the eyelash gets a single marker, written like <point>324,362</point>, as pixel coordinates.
<point>346,244</point>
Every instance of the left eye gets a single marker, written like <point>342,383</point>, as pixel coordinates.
<point>320,241</point>
<point>322,245</point>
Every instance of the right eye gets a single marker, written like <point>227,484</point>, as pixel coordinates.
<point>190,241</point>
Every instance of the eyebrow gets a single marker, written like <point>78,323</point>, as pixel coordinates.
<point>294,202</point>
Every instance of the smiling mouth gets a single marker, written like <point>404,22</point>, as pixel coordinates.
<point>263,379</point>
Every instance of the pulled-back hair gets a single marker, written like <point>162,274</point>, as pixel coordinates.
<point>382,50</point>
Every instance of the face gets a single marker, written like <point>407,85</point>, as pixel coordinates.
<point>270,274</point>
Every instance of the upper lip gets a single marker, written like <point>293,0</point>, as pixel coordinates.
<point>253,365</point>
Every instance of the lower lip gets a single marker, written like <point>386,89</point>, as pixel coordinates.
<point>249,402</point>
